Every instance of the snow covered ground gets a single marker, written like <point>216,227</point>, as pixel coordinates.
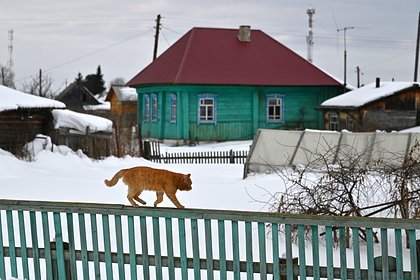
<point>73,177</point>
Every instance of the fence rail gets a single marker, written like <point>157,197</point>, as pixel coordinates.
<point>105,241</point>
<point>153,153</point>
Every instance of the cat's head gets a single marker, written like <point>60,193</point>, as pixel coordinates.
<point>186,183</point>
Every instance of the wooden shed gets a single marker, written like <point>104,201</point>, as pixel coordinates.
<point>380,105</point>
<point>22,117</point>
<point>76,96</point>
<point>223,84</point>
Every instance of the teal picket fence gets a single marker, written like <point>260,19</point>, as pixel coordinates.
<point>60,240</point>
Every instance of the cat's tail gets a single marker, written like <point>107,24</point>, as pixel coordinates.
<point>115,179</point>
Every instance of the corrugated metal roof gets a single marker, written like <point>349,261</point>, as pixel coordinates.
<point>216,56</point>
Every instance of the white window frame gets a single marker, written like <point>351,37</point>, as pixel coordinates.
<point>173,107</point>
<point>146,108</point>
<point>275,110</point>
<point>207,107</point>
<point>334,121</point>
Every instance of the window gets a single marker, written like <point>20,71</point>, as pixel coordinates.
<point>334,121</point>
<point>146,108</point>
<point>172,115</point>
<point>350,124</point>
<point>275,108</point>
<point>206,108</point>
<point>154,107</point>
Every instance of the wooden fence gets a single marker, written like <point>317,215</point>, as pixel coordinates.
<point>152,153</point>
<point>104,241</point>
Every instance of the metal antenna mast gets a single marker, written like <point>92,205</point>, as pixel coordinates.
<point>309,38</point>
<point>345,54</point>
<point>10,61</point>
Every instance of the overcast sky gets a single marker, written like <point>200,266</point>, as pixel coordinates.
<point>67,37</point>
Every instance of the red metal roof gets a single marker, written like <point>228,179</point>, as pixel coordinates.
<point>216,56</point>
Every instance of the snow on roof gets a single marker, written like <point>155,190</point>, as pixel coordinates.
<point>103,106</point>
<point>125,93</point>
<point>367,94</point>
<point>80,122</point>
<point>11,99</point>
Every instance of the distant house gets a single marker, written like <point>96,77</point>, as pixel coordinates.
<point>123,112</point>
<point>76,96</point>
<point>22,117</point>
<point>123,99</point>
<point>377,106</point>
<point>223,84</point>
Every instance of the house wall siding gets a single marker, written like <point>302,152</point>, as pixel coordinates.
<point>240,110</point>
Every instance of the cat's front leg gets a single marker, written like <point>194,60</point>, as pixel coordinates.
<point>174,200</point>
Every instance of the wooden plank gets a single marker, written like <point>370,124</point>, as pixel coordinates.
<point>329,250</point>
<point>170,248</point>
<point>115,209</point>
<point>384,251</point>
<point>144,247</point>
<point>343,252</point>
<point>195,248</point>
<point>235,250</point>
<point>2,262</point>
<point>289,256</point>
<point>370,254</point>
<point>72,245</point>
<point>413,254</point>
<point>276,253</point>
<point>12,244</point>
<point>262,251</point>
<point>107,247</point>
<point>83,245</point>
<point>22,235</point>
<point>302,248</point>
<point>222,249</point>
<point>95,246</point>
<point>209,250</point>
<point>120,247</point>
<point>61,269</point>
<point>183,248</point>
<point>248,247</point>
<point>399,254</point>
<point>47,247</point>
<point>315,252</point>
<point>157,247</point>
<point>356,253</point>
<point>35,247</point>
<point>132,248</point>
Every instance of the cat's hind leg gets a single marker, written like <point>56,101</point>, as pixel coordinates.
<point>174,200</point>
<point>137,198</point>
<point>131,196</point>
<point>159,198</point>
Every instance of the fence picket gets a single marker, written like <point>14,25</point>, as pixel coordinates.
<point>22,235</point>
<point>156,244</point>
<point>2,262</point>
<point>83,245</point>
<point>94,230</point>
<point>72,247</point>
<point>132,248</point>
<point>12,244</point>
<point>170,248</point>
<point>107,246</point>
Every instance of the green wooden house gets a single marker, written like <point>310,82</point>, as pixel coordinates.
<point>223,84</point>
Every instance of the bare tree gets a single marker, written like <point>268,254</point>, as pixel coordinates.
<point>351,187</point>
<point>7,77</point>
<point>40,85</point>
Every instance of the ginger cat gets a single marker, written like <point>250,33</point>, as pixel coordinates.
<point>161,181</point>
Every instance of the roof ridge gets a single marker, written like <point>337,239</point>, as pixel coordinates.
<point>184,57</point>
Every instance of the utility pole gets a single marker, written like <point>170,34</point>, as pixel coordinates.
<point>358,76</point>
<point>309,37</point>
<point>345,55</point>
<point>156,37</point>
<point>40,82</point>
<point>416,62</point>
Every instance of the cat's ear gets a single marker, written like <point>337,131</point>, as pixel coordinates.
<point>188,175</point>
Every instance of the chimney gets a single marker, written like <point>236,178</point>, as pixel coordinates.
<point>244,34</point>
<point>378,82</point>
